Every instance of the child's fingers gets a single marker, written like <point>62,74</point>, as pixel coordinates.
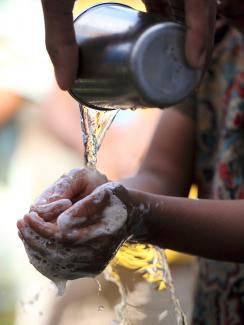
<point>83,212</point>
<point>51,210</point>
<point>99,233</point>
<point>20,225</point>
<point>92,232</point>
<point>78,183</point>
<point>61,189</point>
<point>77,236</point>
<point>30,237</point>
<point>41,227</point>
<point>65,185</point>
<point>84,181</point>
<point>20,235</point>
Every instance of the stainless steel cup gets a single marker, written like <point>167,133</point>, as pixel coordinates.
<point>130,59</point>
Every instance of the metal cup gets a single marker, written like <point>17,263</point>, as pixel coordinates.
<point>130,59</point>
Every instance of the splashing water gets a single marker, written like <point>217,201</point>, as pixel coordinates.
<point>179,314</point>
<point>99,286</point>
<point>60,285</point>
<point>100,307</point>
<point>94,126</point>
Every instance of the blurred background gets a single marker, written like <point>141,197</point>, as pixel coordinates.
<point>40,139</point>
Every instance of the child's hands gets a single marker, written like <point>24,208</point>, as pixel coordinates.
<point>71,187</point>
<point>76,231</point>
<point>102,215</point>
<point>57,260</point>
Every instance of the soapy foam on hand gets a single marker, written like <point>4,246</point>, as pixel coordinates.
<point>58,266</point>
<point>60,263</point>
<point>113,218</point>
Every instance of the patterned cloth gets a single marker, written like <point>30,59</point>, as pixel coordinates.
<point>219,172</point>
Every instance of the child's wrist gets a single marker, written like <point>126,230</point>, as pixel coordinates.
<point>137,211</point>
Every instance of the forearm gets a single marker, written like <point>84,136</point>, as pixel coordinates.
<point>152,183</point>
<point>146,182</point>
<point>208,228</point>
<point>167,166</point>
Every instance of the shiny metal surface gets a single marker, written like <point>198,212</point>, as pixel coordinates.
<point>130,59</point>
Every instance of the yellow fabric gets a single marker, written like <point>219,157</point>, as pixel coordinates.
<point>82,4</point>
<point>146,259</point>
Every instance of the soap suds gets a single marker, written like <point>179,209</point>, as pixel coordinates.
<point>60,263</point>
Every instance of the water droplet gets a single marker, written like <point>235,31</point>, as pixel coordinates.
<point>60,285</point>
<point>99,286</point>
<point>100,308</point>
<point>163,315</point>
<point>94,125</point>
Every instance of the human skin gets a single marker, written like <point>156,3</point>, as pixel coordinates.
<point>158,210</point>
<point>63,50</point>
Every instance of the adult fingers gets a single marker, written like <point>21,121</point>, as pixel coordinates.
<point>60,40</point>
<point>200,19</point>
